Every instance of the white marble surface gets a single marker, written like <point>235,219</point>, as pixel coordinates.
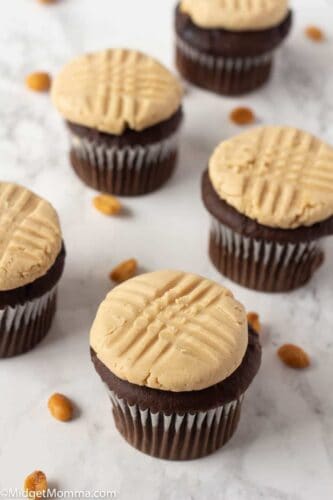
<point>283,449</point>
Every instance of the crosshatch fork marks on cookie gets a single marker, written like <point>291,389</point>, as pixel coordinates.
<point>30,236</point>
<point>150,324</point>
<point>279,176</point>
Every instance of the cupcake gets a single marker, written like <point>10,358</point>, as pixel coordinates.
<point>269,192</point>
<point>228,47</point>
<point>123,112</point>
<point>177,355</point>
<point>32,258</point>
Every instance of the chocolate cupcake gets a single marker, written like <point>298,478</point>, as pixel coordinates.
<point>177,356</point>
<point>270,194</point>
<point>32,258</point>
<point>123,112</point>
<point>228,47</point>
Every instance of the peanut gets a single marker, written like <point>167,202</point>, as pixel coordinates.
<point>35,485</point>
<point>315,34</point>
<point>294,357</point>
<point>254,320</point>
<point>38,82</point>
<point>242,116</point>
<point>60,407</point>
<point>124,271</point>
<point>107,204</point>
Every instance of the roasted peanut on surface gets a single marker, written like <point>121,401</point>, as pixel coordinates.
<point>38,82</point>
<point>254,320</point>
<point>107,204</point>
<point>124,271</point>
<point>61,408</point>
<point>242,116</point>
<point>35,484</point>
<point>294,356</point>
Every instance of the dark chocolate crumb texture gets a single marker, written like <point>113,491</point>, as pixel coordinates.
<point>245,226</point>
<point>125,140</point>
<point>177,356</point>
<point>38,287</point>
<point>222,60</point>
<point>269,192</point>
<point>169,402</point>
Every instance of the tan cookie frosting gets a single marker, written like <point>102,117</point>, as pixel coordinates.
<point>279,176</point>
<point>115,89</point>
<point>170,330</point>
<point>30,236</point>
<point>236,15</point>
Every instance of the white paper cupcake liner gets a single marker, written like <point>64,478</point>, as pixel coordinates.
<point>137,156</point>
<point>177,436</point>
<point>129,170</point>
<point>225,75</point>
<point>230,64</point>
<point>24,326</point>
<point>261,264</point>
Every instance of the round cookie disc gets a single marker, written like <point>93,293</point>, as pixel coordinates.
<point>278,176</point>
<point>30,236</point>
<point>115,89</point>
<point>236,15</point>
<point>170,330</point>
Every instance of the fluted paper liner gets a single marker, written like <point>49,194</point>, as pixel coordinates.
<point>224,75</point>
<point>124,171</point>
<point>177,436</point>
<point>260,264</point>
<point>22,327</point>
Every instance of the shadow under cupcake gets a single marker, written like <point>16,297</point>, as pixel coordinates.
<point>123,112</point>
<point>177,356</point>
<point>269,192</point>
